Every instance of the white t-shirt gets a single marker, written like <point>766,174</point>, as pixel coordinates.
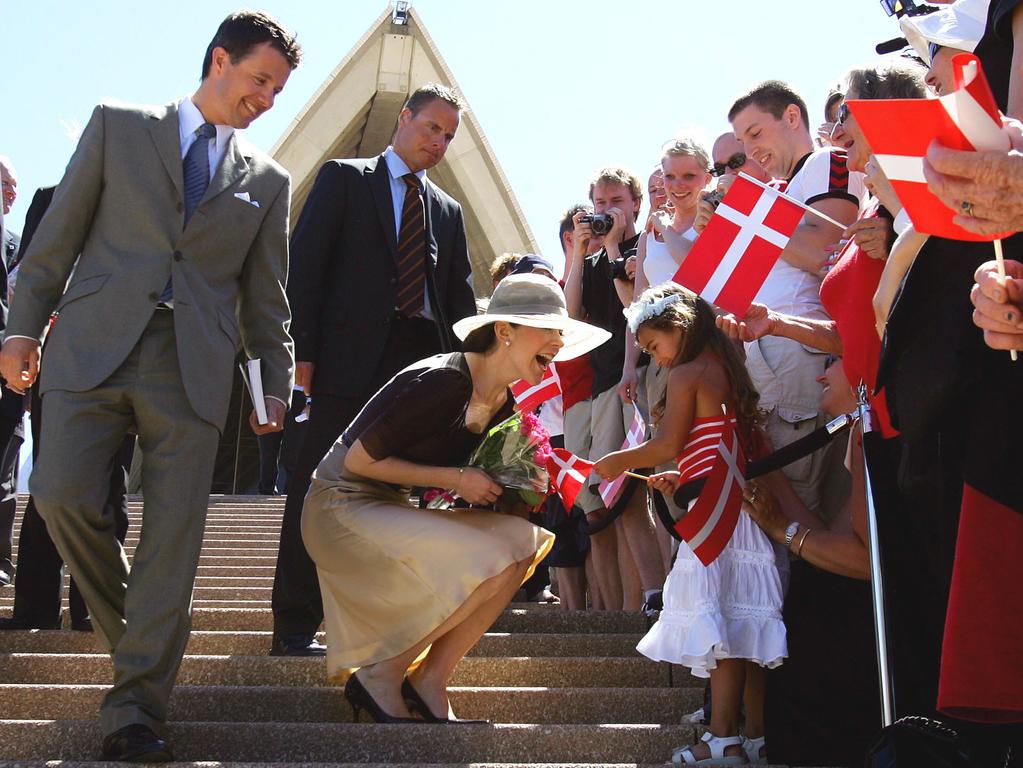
<point>820,175</point>
<point>658,264</point>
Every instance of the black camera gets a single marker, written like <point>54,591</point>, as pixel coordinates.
<point>600,223</point>
<point>714,197</point>
<point>900,8</point>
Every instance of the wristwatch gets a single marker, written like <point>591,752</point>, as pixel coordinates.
<point>790,534</point>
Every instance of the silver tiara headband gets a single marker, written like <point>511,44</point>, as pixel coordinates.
<point>639,312</point>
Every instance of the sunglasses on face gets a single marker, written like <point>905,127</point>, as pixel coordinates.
<point>843,113</point>
<point>735,162</point>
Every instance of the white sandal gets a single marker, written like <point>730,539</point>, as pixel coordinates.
<point>753,748</point>
<point>684,755</point>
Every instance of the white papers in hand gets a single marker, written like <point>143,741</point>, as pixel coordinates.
<point>252,373</point>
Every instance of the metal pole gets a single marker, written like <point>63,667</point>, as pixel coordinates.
<point>876,578</point>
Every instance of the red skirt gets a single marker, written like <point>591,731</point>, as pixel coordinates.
<point>982,653</point>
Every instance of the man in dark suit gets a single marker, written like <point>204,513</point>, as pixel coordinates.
<point>379,273</point>
<point>12,433</point>
<point>175,229</point>
<point>39,586</point>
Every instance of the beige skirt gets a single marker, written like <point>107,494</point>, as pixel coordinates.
<point>390,573</point>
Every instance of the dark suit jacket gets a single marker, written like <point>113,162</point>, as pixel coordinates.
<point>344,277</point>
<point>40,202</point>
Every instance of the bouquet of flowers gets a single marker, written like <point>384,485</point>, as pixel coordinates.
<point>514,453</point>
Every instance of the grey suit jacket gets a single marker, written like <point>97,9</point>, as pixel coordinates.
<point>120,205</point>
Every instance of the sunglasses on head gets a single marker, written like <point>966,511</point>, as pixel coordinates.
<point>735,162</point>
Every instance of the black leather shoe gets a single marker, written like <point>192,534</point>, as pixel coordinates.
<point>6,574</point>
<point>297,645</point>
<point>136,743</point>
<point>11,623</point>
<point>82,625</point>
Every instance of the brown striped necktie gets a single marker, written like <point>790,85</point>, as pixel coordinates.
<point>412,250</point>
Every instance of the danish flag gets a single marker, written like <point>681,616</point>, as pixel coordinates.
<point>568,474</point>
<point>709,524</point>
<point>900,131</point>
<point>740,244</point>
<point>608,489</point>
<point>529,397</point>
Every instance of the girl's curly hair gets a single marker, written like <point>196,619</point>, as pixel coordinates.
<point>694,317</point>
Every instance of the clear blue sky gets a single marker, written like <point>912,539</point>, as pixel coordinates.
<point>560,88</point>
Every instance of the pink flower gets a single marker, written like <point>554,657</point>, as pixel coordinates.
<point>430,494</point>
<point>543,453</point>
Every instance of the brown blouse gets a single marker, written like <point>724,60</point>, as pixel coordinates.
<point>419,415</point>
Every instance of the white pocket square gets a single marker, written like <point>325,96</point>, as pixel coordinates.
<point>244,197</point>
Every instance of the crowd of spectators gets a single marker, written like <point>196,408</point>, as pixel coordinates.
<point>918,324</point>
<point>874,305</point>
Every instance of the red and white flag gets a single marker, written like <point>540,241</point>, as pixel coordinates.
<point>528,397</point>
<point>709,524</point>
<point>608,489</point>
<point>742,241</point>
<point>900,131</point>
<point>568,474</point>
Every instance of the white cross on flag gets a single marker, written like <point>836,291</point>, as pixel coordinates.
<point>528,397</point>
<point>900,131</point>
<point>709,524</point>
<point>568,474</point>
<point>740,244</point>
<point>608,489</point>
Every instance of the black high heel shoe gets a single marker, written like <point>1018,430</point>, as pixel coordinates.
<point>415,703</point>
<point>359,699</point>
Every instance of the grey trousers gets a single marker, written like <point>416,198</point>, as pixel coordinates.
<point>142,615</point>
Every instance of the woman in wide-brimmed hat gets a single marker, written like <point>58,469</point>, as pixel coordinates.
<point>402,584</point>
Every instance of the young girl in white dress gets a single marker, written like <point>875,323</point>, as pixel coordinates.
<point>723,621</point>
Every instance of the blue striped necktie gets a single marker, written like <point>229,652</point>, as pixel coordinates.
<point>197,178</point>
<point>197,168</point>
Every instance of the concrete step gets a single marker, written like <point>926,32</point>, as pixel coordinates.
<point>213,703</point>
<point>537,619</point>
<point>264,581</point>
<point>551,672</point>
<point>8,602</point>
<point>91,764</point>
<point>223,534</point>
<point>258,643</point>
<point>361,743</point>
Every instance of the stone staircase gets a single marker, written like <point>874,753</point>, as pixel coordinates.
<point>560,688</point>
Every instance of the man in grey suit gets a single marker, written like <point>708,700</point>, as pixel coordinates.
<point>182,230</point>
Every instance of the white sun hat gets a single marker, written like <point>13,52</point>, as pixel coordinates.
<point>959,25</point>
<point>539,302</point>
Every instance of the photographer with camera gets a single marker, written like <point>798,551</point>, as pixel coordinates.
<point>596,289</point>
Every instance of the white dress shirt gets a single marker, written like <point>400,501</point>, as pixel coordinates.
<point>189,120</point>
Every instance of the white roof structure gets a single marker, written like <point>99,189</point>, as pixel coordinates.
<point>354,112</point>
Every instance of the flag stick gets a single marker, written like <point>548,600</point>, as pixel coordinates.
<point>876,577</point>
<point>793,200</point>
<point>1000,261</point>
<point>633,474</point>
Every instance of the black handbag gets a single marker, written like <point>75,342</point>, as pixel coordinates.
<point>918,742</point>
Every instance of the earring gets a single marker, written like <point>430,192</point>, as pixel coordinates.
<point>507,343</point>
